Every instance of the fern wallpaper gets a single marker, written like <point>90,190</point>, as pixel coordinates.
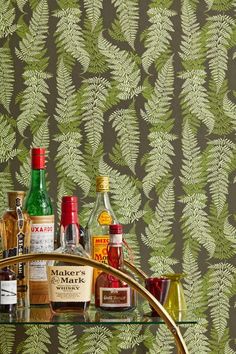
<point>144,91</point>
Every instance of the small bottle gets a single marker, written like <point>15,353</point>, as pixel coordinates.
<point>16,231</point>
<point>97,229</point>
<point>69,285</point>
<point>39,207</point>
<point>111,293</point>
<point>8,289</point>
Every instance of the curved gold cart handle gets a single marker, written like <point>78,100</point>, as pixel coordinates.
<point>115,272</point>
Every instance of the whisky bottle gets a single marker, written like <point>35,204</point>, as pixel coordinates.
<point>97,229</point>
<point>8,289</point>
<point>16,230</point>
<point>69,285</point>
<point>111,293</point>
<point>39,207</point>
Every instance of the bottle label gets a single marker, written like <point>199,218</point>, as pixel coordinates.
<point>8,292</point>
<point>99,252</point>
<point>115,297</point>
<point>70,283</point>
<point>104,218</point>
<point>42,241</point>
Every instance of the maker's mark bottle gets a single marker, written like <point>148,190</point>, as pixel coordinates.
<point>39,207</point>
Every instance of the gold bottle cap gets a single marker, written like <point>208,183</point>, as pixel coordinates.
<point>102,184</point>
<point>12,198</point>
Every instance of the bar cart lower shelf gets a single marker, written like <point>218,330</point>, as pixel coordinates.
<point>42,315</point>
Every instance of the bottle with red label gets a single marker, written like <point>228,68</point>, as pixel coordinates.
<point>70,286</point>
<point>39,207</point>
<point>111,293</point>
<point>97,229</point>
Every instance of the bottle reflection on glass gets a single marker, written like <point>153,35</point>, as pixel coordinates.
<point>8,289</point>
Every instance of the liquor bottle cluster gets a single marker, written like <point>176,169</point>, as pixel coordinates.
<point>66,287</point>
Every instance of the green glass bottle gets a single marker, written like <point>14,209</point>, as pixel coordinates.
<point>39,207</point>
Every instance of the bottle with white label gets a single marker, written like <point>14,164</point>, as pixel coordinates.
<point>39,207</point>
<point>8,289</point>
<point>111,293</point>
<point>70,285</point>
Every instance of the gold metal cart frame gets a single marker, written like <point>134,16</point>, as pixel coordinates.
<point>180,343</point>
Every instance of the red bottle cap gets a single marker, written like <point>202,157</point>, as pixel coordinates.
<point>38,158</point>
<point>116,229</point>
<point>69,210</point>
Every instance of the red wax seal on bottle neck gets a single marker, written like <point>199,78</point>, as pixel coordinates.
<point>38,158</point>
<point>69,210</point>
<point>116,232</point>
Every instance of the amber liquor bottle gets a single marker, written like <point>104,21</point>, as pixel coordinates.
<point>39,207</point>
<point>16,230</point>
<point>69,285</point>
<point>111,293</point>
<point>97,229</point>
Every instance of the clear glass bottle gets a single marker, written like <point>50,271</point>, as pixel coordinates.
<point>70,285</point>
<point>97,229</point>
<point>8,289</point>
<point>111,293</point>
<point>16,232</point>
<point>39,207</point>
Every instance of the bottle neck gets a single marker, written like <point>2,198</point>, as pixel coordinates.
<point>70,235</point>
<point>115,255</point>
<point>38,179</point>
<point>103,199</point>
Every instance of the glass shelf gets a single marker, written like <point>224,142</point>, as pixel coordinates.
<point>43,315</point>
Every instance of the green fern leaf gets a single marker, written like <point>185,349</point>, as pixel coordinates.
<point>97,340</point>
<point>196,338</point>
<point>230,110</point>
<point>230,233</point>
<point>128,17</point>
<point>220,156</point>
<point>93,11</point>
<point>93,166</point>
<point>7,15</point>
<point>195,96</point>
<point>7,338</point>
<point>125,195</point>
<point>70,35</point>
<point>163,343</point>
<point>132,239</point>
<point>195,221</point>
<point>209,3</point>
<point>218,36</point>
<point>94,99</point>
<point>67,339</point>
<point>7,140</point>
<point>160,265</point>
<point>70,159</point>
<point>218,346</point>
<point>6,77</point>
<point>34,100</point>
<point>126,125</point>
<point>66,109</point>
<point>37,340</point>
<point>32,45</point>
<point>191,41</point>
<point>6,184</point>
<point>21,4</point>
<point>116,156</point>
<point>220,283</point>
<point>41,137</point>
<point>160,226</point>
<point>192,161</point>
<point>124,69</point>
<point>159,159</point>
<point>158,35</point>
<point>23,177</point>
<point>228,350</point>
<point>193,283</point>
<point>130,336</point>
<point>159,103</point>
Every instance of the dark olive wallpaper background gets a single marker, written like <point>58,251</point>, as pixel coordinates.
<point>143,91</point>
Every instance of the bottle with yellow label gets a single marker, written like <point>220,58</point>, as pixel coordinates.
<point>97,229</point>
